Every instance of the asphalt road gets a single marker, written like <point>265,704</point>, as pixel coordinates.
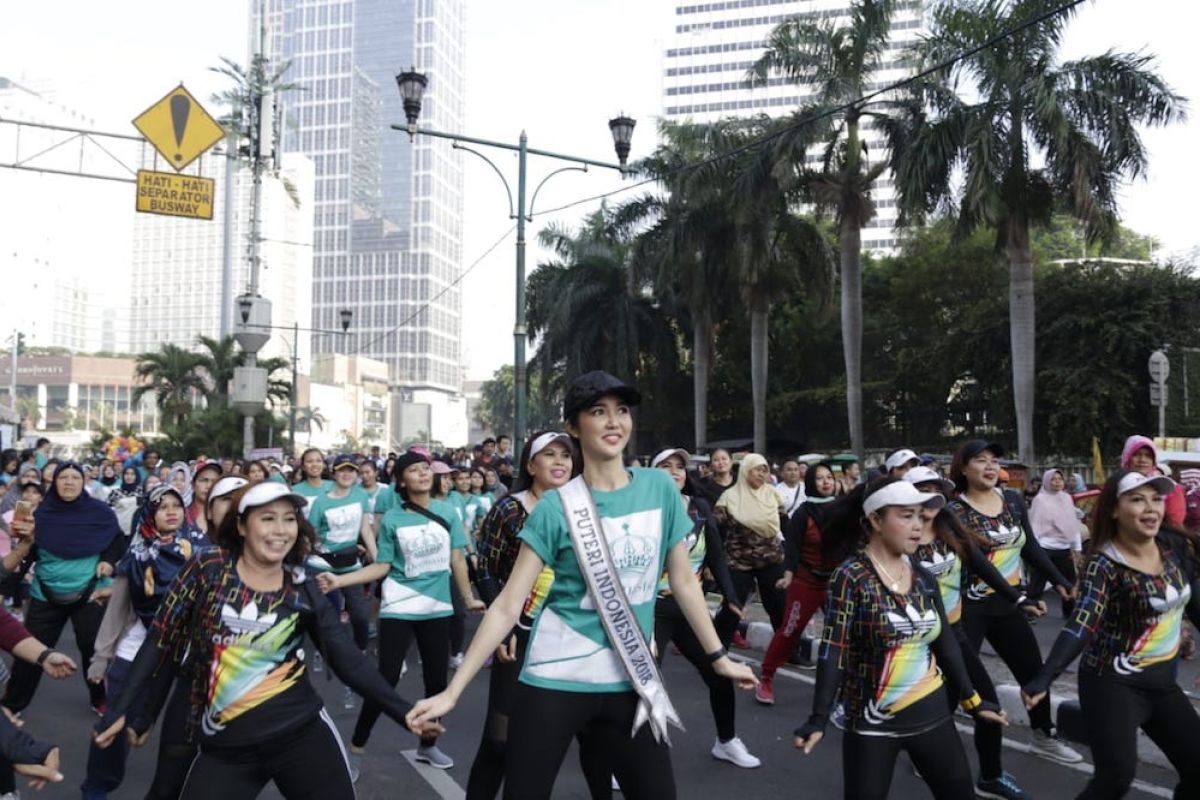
<point>60,713</point>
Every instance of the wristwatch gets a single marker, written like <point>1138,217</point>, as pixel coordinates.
<point>716,655</point>
<point>41,659</point>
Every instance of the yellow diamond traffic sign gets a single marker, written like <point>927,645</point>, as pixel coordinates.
<point>179,128</point>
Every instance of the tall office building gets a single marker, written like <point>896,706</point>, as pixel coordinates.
<point>388,212</point>
<point>714,44</point>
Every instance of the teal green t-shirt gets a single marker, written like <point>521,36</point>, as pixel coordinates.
<point>476,507</point>
<point>386,499</point>
<point>419,550</point>
<point>338,521</point>
<point>311,493</point>
<point>642,521</point>
<point>373,495</point>
<point>459,501</point>
<point>64,576</point>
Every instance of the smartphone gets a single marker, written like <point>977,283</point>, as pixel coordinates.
<point>23,511</point>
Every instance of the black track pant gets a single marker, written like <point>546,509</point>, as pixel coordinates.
<point>868,763</point>
<point>1065,561</point>
<point>989,738</point>
<point>545,721</point>
<point>1113,710</point>
<point>743,582</point>
<point>487,771</point>
<point>395,635</point>
<point>1008,632</point>
<point>458,621</point>
<point>46,622</point>
<point>309,764</point>
<point>670,625</point>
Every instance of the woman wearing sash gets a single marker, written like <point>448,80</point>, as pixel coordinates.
<point>623,527</point>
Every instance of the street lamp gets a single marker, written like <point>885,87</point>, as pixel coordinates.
<point>245,304</point>
<point>344,316</point>
<point>412,85</point>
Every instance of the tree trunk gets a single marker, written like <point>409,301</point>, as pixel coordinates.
<point>1022,334</point>
<point>850,256</point>
<point>702,347</point>
<point>759,311</point>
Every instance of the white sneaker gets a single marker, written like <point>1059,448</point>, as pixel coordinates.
<point>1049,746</point>
<point>434,757</point>
<point>456,660</point>
<point>616,787</point>
<point>734,752</point>
<point>403,667</point>
<point>348,698</point>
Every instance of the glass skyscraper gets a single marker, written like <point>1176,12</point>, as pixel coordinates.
<point>387,212</point>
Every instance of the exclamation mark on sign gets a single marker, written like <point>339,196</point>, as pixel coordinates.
<point>180,108</point>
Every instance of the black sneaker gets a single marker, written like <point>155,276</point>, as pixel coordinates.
<point>1002,788</point>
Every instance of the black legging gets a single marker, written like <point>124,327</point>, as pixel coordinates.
<point>989,737</point>
<point>868,763</point>
<point>46,622</point>
<point>458,622</point>
<point>309,764</point>
<point>544,722</point>
<point>670,625</point>
<point>487,771</point>
<point>744,581</point>
<point>395,635</point>
<point>1065,561</point>
<point>1113,710</point>
<point>1008,632</point>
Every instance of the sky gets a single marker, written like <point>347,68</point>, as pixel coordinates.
<point>557,69</point>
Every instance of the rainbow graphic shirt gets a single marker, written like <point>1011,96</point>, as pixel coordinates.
<point>1005,539</point>
<point>940,561</point>
<point>883,643</point>
<point>1127,622</point>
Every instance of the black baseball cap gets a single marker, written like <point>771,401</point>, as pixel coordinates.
<point>344,460</point>
<point>589,387</point>
<point>976,446</point>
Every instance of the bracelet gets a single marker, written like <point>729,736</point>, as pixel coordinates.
<point>971,703</point>
<point>41,659</point>
<point>716,655</point>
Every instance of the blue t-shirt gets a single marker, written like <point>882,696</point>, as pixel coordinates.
<point>642,521</point>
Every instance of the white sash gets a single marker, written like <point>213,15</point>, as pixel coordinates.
<point>612,605</point>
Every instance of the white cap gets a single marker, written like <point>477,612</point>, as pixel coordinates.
<point>672,451</point>
<point>1136,480</point>
<point>900,458</point>
<point>546,439</point>
<point>226,485</point>
<point>918,475</point>
<point>901,493</point>
<point>264,492</point>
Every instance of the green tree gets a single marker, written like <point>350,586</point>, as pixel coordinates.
<point>308,417</point>
<point>173,376</point>
<point>219,359</point>
<point>996,115</point>
<point>840,64</point>
<point>495,412</point>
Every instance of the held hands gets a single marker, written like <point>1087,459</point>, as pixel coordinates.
<point>104,569</point>
<point>741,674</point>
<point>736,609</point>
<point>784,582</point>
<point>100,596</point>
<point>1036,608</point>
<point>990,712</point>
<point>327,582</point>
<point>41,774</point>
<point>475,605</point>
<point>105,737</point>
<point>1066,593</point>
<point>423,719</point>
<point>807,737</point>
<point>1031,701</point>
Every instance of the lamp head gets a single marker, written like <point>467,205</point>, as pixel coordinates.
<point>244,306</point>
<point>412,86</point>
<point>345,315</point>
<point>622,133</point>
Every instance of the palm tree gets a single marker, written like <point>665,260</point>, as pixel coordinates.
<point>307,417</point>
<point>586,309</point>
<point>839,63</point>
<point>1020,108</point>
<point>220,358</point>
<point>279,389</point>
<point>173,375</point>
<point>685,252</point>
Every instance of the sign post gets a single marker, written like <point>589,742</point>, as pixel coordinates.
<point>181,131</point>
<point>1160,369</point>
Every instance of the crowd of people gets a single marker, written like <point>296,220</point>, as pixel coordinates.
<point>204,594</point>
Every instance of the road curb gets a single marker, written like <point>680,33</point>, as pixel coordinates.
<point>1064,710</point>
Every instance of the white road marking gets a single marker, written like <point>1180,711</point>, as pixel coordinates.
<point>439,779</point>
<point>1020,747</point>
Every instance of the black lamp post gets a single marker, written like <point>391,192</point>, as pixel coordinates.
<point>412,85</point>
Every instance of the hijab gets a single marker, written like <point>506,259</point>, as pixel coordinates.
<point>80,528</point>
<point>178,468</point>
<point>1135,443</point>
<point>1053,511</point>
<point>757,509</point>
<point>151,566</point>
